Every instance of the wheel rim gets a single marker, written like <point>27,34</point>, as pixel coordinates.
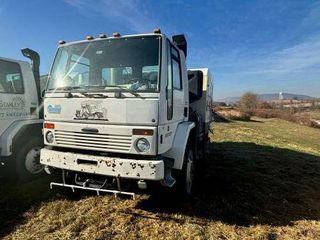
<point>32,161</point>
<point>189,173</point>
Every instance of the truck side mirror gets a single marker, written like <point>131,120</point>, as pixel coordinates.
<point>181,43</point>
<point>195,81</point>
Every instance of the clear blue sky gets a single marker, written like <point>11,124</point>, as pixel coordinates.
<point>263,46</point>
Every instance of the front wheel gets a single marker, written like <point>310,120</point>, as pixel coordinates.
<point>28,160</point>
<point>185,180</point>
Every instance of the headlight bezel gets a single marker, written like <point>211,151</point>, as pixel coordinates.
<point>141,141</point>
<point>52,137</point>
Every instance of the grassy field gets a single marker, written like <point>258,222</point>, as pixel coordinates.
<point>261,181</point>
<point>314,114</point>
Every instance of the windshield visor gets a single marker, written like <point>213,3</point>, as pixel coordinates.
<point>122,63</point>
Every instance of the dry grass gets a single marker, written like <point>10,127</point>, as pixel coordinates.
<point>306,118</point>
<point>261,181</point>
<point>233,114</point>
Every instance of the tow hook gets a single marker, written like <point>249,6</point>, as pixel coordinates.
<point>49,170</point>
<point>142,184</point>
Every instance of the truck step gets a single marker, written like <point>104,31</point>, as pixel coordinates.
<point>97,190</point>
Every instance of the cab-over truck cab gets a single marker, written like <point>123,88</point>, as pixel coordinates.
<point>118,108</point>
<point>20,124</point>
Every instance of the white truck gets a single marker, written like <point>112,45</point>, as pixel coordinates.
<point>125,108</point>
<point>20,116</point>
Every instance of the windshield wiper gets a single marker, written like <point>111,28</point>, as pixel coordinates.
<point>94,95</point>
<point>85,94</point>
<point>124,88</point>
<point>67,88</point>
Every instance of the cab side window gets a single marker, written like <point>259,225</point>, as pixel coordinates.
<point>176,69</point>
<point>10,78</point>
<point>169,92</point>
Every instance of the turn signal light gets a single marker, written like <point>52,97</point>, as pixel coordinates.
<point>48,125</point>
<point>144,132</point>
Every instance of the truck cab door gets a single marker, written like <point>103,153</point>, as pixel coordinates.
<point>175,94</point>
<point>174,106</point>
<point>14,105</point>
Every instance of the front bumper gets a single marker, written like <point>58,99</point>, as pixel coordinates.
<point>103,165</point>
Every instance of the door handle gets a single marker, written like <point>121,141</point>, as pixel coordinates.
<point>185,112</point>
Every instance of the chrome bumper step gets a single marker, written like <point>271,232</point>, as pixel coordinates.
<point>97,190</point>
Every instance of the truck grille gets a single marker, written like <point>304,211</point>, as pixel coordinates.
<point>95,141</point>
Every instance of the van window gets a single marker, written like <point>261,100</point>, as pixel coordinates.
<point>10,78</point>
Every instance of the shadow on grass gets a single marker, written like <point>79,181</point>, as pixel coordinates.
<point>255,120</point>
<point>248,184</point>
<point>238,183</point>
<point>17,198</point>
<point>219,118</point>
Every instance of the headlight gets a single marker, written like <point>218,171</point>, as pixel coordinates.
<point>142,145</point>
<point>49,137</point>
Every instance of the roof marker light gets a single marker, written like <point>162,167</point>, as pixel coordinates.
<point>157,30</point>
<point>101,35</point>
<point>61,42</point>
<point>89,38</point>
<point>116,34</point>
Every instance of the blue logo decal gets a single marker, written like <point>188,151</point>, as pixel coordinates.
<point>54,109</point>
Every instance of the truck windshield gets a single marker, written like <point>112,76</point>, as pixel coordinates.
<point>130,64</point>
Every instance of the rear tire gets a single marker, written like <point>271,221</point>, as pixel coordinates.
<point>27,158</point>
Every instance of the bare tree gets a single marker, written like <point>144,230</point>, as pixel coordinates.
<point>264,105</point>
<point>249,101</point>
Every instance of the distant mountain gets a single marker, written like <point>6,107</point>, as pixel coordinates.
<point>270,97</point>
<point>229,99</point>
<point>286,96</point>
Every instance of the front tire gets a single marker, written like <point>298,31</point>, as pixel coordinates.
<point>185,179</point>
<point>28,164</point>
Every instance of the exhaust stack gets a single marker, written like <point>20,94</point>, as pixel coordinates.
<point>35,64</point>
